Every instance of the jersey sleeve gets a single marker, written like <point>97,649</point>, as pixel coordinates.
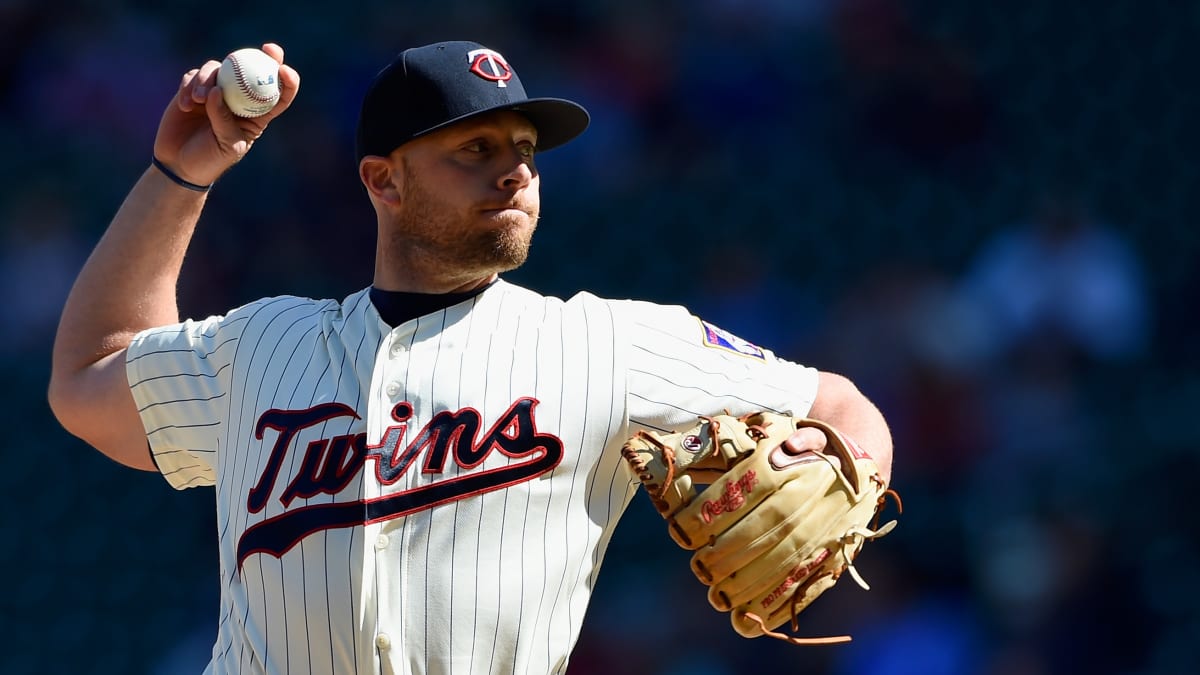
<point>180,376</point>
<point>681,367</point>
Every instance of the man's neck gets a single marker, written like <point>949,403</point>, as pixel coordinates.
<point>397,307</point>
<point>408,283</point>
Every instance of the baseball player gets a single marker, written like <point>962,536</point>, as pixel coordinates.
<point>422,477</point>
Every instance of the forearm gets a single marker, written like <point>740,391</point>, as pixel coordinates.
<point>129,282</point>
<point>842,405</point>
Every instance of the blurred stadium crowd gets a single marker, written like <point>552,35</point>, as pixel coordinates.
<point>983,213</point>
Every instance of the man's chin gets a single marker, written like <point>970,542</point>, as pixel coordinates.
<point>505,249</point>
<point>511,254</point>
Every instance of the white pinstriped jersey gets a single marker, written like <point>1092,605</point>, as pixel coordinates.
<point>433,498</point>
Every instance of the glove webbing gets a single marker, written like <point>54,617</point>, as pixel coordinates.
<point>668,456</point>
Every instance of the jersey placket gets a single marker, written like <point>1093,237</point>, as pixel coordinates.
<point>385,538</point>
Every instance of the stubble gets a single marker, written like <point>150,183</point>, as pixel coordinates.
<point>450,238</point>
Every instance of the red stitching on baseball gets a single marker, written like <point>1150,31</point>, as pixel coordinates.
<point>241,80</point>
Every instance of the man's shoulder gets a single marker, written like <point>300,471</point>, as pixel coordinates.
<point>590,300</point>
<point>537,299</point>
<point>274,312</point>
<point>631,307</point>
<point>281,304</point>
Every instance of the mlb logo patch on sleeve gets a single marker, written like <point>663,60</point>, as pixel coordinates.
<point>717,337</point>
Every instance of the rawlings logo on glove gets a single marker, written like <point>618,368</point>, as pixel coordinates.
<point>732,500</point>
<point>772,525</point>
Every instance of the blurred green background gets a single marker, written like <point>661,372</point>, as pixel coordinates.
<point>983,213</point>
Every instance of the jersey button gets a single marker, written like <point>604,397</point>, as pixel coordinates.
<point>397,349</point>
<point>392,388</point>
<point>383,641</point>
<point>381,542</point>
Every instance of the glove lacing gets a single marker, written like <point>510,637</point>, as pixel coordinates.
<point>849,544</point>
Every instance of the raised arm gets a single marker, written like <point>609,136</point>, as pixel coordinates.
<point>128,284</point>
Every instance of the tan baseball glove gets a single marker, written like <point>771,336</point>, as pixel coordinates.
<point>773,530</point>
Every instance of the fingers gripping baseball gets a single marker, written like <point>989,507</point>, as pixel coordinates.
<point>199,136</point>
<point>787,507</point>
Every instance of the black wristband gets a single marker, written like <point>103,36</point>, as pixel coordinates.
<point>174,178</point>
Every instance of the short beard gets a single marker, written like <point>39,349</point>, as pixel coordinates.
<point>430,224</point>
<point>509,246</point>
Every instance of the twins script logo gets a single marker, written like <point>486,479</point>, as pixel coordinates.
<point>329,464</point>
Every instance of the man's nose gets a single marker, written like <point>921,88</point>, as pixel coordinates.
<point>519,175</point>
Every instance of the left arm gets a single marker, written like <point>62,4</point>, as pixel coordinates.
<point>843,406</point>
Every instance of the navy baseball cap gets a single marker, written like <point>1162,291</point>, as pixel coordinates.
<point>427,88</point>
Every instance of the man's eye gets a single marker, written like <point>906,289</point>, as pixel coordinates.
<point>527,151</point>
<point>475,147</point>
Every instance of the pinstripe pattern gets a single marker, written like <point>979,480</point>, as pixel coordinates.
<point>494,581</point>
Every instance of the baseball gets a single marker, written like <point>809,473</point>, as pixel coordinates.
<point>249,82</point>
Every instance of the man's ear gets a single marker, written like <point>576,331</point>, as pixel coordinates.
<point>381,178</point>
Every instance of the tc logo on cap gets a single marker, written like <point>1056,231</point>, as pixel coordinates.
<point>490,66</point>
